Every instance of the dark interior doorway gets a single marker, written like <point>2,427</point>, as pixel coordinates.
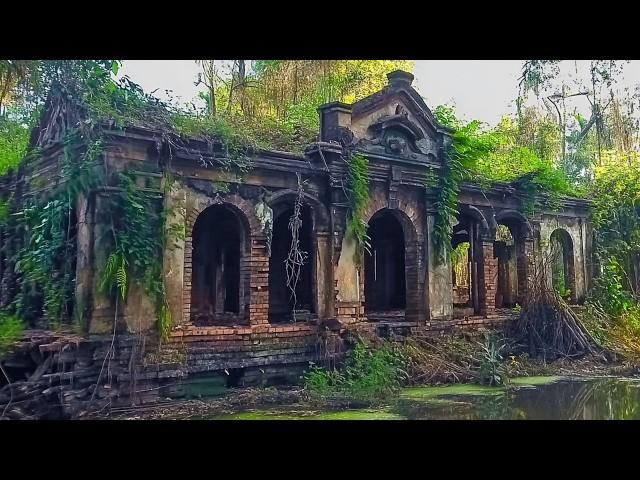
<point>384,265</point>
<point>282,302</point>
<point>217,240</point>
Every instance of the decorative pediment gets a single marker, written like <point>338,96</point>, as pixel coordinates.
<point>397,122</point>
<point>398,135</point>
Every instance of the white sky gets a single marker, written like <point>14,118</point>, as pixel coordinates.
<point>479,89</point>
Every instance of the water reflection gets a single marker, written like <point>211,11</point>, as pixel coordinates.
<point>600,399</point>
<point>526,399</point>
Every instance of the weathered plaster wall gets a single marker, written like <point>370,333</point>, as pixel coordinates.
<point>176,204</point>
<point>439,294</point>
<point>346,274</point>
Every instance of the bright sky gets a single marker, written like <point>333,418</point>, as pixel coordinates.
<point>479,89</point>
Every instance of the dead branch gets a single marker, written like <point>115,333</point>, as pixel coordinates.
<point>296,257</point>
<point>548,325</point>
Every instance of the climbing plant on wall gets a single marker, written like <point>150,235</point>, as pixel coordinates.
<point>358,194</point>
<point>46,264</point>
<point>486,156</point>
<point>137,244</point>
<point>468,144</point>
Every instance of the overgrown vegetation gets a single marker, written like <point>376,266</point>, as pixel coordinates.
<point>492,370</point>
<point>281,96</point>
<point>10,331</point>
<point>358,193</point>
<point>485,156</point>
<point>547,150</point>
<point>46,264</point>
<point>369,376</point>
<point>138,244</point>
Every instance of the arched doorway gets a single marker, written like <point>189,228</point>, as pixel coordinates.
<point>283,304</point>
<point>466,243</point>
<point>461,271</point>
<point>216,291</point>
<point>562,266</point>
<point>504,250</point>
<point>384,267</point>
<point>513,249</point>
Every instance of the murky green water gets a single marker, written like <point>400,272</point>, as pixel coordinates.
<point>527,398</point>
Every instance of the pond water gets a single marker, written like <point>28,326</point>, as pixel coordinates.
<point>525,398</point>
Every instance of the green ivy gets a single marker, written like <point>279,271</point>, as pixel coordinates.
<point>469,144</point>
<point>358,192</point>
<point>486,156</point>
<point>10,331</point>
<point>46,263</point>
<point>139,239</point>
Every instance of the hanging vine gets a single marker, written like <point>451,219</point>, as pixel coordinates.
<point>296,257</point>
<point>357,190</point>
<point>138,241</point>
<point>468,145</point>
<point>46,264</point>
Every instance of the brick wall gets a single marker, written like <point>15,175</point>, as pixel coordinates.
<point>487,278</point>
<point>254,262</point>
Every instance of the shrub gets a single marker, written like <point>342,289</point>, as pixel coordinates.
<point>369,375</point>
<point>10,331</point>
<point>491,370</point>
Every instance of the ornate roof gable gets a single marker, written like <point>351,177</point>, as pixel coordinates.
<point>394,122</point>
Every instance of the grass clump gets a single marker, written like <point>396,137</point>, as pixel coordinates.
<point>369,376</point>
<point>10,332</point>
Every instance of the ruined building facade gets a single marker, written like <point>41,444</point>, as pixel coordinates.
<point>226,281</point>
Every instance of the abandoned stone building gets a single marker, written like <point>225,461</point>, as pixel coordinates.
<point>226,280</point>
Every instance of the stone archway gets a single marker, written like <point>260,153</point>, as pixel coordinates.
<point>392,290</point>
<point>219,252</point>
<point>384,265</point>
<point>254,261</point>
<point>313,289</point>
<point>515,257</point>
<point>473,229</point>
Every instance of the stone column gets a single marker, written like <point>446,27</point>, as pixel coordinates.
<point>324,291</point>
<point>439,294</point>
<point>174,255</point>
<point>349,285</point>
<point>526,268</point>
<point>487,277</point>
<point>84,270</point>
<point>102,312</point>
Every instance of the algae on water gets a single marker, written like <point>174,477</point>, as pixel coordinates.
<point>304,415</point>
